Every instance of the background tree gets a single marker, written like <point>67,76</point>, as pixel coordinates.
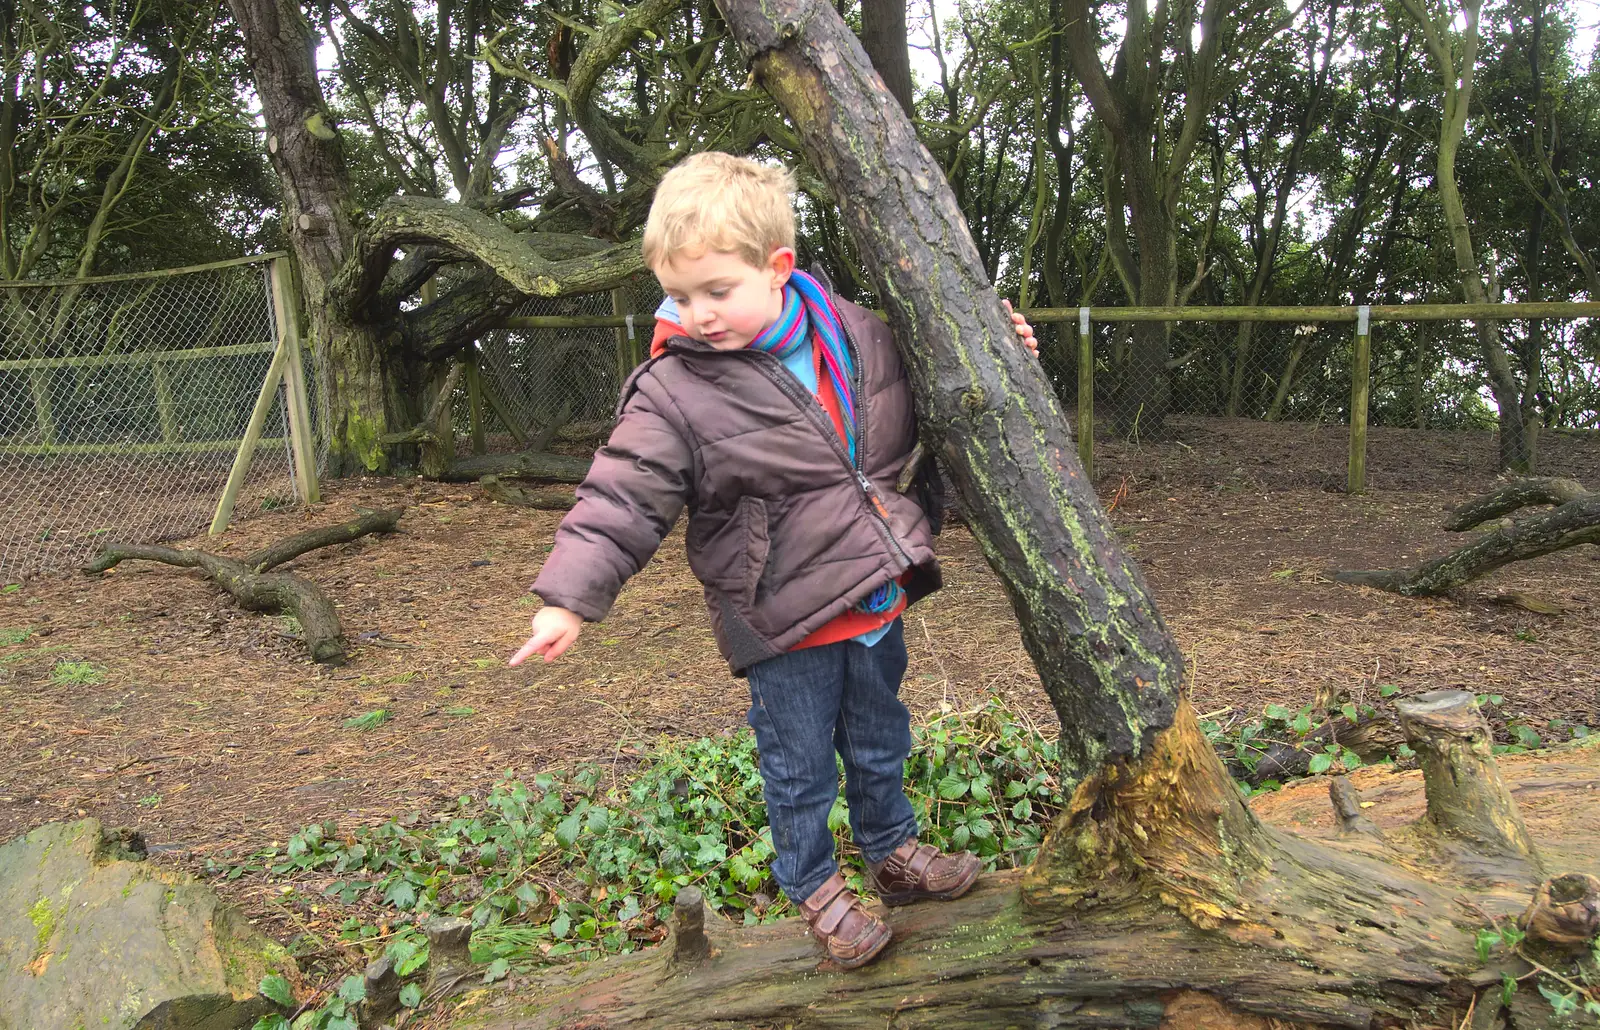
<point>1156,101</point>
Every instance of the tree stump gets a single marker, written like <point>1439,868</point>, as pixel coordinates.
<point>1466,796</point>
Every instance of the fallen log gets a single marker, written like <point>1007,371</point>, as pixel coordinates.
<point>259,590</point>
<point>549,498</point>
<point>557,468</point>
<point>1574,521</point>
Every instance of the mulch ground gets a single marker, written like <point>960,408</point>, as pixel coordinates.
<point>208,729</point>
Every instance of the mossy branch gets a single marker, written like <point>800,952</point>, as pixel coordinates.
<point>515,257</point>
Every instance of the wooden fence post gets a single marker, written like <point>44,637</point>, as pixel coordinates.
<point>302,447</point>
<point>628,356</point>
<point>166,405</point>
<point>1360,388</point>
<point>252,435</point>
<point>1085,394</point>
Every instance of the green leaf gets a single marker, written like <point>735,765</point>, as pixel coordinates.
<point>275,989</point>
<point>712,851</point>
<point>1023,810</point>
<point>1320,764</point>
<point>1388,690</point>
<point>408,956</point>
<point>1016,788</point>
<point>1527,736</point>
<point>353,991</point>
<point>401,894</point>
<point>568,828</point>
<point>1508,988</point>
<point>1348,710</point>
<point>1301,724</point>
<point>560,926</point>
<point>411,995</point>
<point>1485,942</point>
<point>1564,1005</point>
<point>1351,760</point>
<point>317,125</point>
<point>952,787</point>
<point>1277,712</point>
<point>272,1022</point>
<point>497,970</point>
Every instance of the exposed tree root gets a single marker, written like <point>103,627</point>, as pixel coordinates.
<point>259,590</point>
<point>1575,521</point>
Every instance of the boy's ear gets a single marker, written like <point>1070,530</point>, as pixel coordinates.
<point>781,265</point>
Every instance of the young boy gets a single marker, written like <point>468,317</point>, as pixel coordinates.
<point>782,418</point>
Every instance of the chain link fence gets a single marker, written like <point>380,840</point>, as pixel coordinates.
<point>562,380</point>
<point>122,404</point>
<point>1225,381</point>
<point>1258,384</point>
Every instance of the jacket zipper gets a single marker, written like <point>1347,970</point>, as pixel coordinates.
<point>796,391</point>
<point>873,500</point>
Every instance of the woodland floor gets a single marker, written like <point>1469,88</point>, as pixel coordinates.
<point>210,730</point>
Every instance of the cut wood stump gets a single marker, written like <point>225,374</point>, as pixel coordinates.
<point>1574,520</point>
<point>258,589</point>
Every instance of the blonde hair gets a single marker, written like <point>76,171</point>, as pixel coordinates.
<point>714,201</point>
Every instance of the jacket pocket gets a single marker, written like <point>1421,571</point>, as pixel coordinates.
<point>751,518</point>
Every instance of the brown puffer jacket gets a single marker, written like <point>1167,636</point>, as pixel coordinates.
<point>784,532</point>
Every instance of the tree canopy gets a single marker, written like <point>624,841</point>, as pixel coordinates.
<point>1103,153</point>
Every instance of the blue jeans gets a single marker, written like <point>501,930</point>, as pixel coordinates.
<point>806,705</point>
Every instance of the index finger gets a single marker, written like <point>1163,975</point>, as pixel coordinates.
<point>526,651</point>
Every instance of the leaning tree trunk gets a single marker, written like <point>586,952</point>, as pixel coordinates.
<point>1156,877</point>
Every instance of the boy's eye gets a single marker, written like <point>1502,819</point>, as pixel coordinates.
<point>718,294</point>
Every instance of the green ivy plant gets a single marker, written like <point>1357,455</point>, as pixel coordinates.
<point>574,864</point>
<point>1573,995</point>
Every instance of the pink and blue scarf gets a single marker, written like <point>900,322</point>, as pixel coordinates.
<point>808,313</point>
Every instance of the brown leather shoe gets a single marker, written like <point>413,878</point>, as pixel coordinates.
<point>915,871</point>
<point>850,934</point>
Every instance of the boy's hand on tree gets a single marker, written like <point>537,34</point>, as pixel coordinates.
<point>1024,330</point>
<point>554,630</point>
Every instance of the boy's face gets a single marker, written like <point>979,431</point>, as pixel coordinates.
<point>724,300</point>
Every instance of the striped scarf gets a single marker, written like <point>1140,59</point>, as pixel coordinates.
<point>808,313</point>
